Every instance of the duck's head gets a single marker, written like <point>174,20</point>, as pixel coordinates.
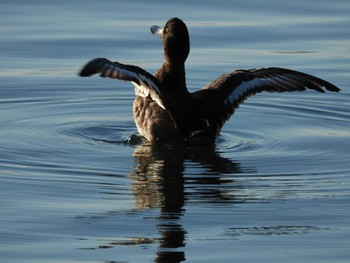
<point>176,40</point>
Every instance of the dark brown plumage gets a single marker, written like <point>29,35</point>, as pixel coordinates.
<point>165,111</point>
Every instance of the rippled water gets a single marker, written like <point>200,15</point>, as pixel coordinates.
<point>77,185</point>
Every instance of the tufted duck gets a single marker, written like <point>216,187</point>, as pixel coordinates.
<point>164,110</point>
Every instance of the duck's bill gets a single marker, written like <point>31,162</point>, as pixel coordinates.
<point>156,30</point>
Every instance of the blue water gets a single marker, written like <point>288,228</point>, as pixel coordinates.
<point>76,186</point>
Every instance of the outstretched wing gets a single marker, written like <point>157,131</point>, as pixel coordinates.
<point>229,90</point>
<point>145,83</point>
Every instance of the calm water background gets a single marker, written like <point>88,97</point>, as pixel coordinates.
<point>75,188</point>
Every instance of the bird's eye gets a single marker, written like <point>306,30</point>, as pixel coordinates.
<point>166,30</point>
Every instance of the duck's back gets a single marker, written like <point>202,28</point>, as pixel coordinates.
<point>153,122</point>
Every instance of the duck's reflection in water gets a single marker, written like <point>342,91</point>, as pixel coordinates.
<point>158,181</point>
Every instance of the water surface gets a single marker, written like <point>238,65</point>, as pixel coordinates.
<point>76,186</point>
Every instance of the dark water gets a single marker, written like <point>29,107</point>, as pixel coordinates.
<point>76,187</point>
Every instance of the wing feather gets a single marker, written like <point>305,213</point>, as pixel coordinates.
<point>228,91</point>
<point>145,83</point>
